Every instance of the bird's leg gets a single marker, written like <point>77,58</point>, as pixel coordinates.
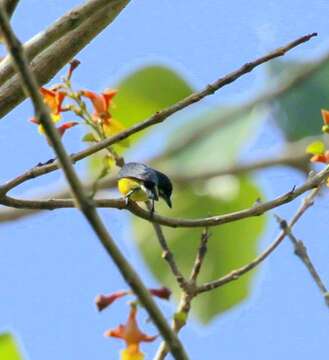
<point>152,208</point>
<point>127,196</point>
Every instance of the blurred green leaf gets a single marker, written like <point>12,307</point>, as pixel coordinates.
<point>316,148</point>
<point>147,91</point>
<point>231,246</point>
<point>89,137</point>
<point>219,148</point>
<point>8,348</point>
<point>298,111</point>
<point>140,95</point>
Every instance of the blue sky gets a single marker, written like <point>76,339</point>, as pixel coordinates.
<point>52,266</point>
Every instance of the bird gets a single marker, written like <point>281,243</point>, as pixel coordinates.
<point>139,182</point>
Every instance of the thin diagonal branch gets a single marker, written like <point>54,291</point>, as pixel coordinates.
<point>48,62</point>
<point>83,202</point>
<point>235,114</point>
<point>157,118</point>
<point>301,250</point>
<point>54,32</point>
<point>286,229</point>
<point>187,295</point>
<point>200,255</point>
<point>168,255</point>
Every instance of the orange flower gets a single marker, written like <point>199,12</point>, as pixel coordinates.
<point>54,99</point>
<point>132,336</point>
<point>102,104</point>
<point>68,125</point>
<point>322,158</point>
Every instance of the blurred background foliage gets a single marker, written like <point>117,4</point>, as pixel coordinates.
<point>152,88</point>
<point>9,348</point>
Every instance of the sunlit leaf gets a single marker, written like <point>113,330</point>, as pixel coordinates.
<point>8,348</point>
<point>297,112</point>
<point>89,137</point>
<point>231,245</point>
<point>316,148</point>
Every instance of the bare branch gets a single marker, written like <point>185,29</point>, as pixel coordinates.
<point>48,63</point>
<point>301,250</point>
<point>82,201</point>
<point>256,210</point>
<point>187,295</point>
<point>235,114</point>
<point>54,32</point>
<point>286,229</point>
<point>200,255</point>
<point>156,118</point>
<point>168,255</point>
<point>294,156</point>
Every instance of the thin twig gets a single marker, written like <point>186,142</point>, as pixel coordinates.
<point>187,295</point>
<point>286,228</point>
<point>257,209</point>
<point>83,202</point>
<point>300,248</point>
<point>228,118</point>
<point>168,255</point>
<point>200,255</point>
<point>163,114</point>
<point>293,156</point>
<point>297,159</point>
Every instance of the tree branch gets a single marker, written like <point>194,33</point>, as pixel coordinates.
<point>256,210</point>
<point>54,32</point>
<point>301,250</point>
<point>48,63</point>
<point>236,274</point>
<point>159,116</point>
<point>168,255</point>
<point>82,201</point>
<point>234,115</point>
<point>188,294</point>
<point>294,156</point>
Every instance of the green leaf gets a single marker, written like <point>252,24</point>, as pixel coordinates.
<point>231,246</point>
<point>180,317</point>
<point>89,137</point>
<point>147,91</point>
<point>298,113</point>
<point>316,148</point>
<point>143,93</point>
<point>219,148</point>
<point>8,348</point>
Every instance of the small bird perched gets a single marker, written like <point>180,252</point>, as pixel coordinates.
<point>139,182</point>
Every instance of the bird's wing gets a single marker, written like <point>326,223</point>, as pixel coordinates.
<point>138,171</point>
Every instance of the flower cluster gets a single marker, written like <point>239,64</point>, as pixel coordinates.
<point>99,121</point>
<point>129,332</point>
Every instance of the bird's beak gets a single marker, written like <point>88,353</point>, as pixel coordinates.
<point>167,200</point>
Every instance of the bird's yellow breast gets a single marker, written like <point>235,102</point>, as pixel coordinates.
<point>126,186</point>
